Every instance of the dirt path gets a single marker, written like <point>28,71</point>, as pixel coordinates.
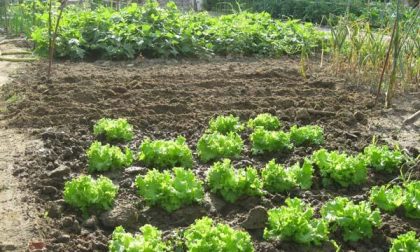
<point>17,217</point>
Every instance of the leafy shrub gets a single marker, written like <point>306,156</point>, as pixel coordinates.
<point>340,168</point>
<point>150,239</point>
<point>356,220</point>
<point>215,146</point>
<point>233,183</point>
<point>310,134</point>
<point>387,198</point>
<point>295,222</point>
<point>106,157</point>
<point>381,158</point>
<point>166,154</point>
<point>277,179</point>
<point>406,242</point>
<point>204,235</point>
<point>269,141</point>
<point>153,32</point>
<point>412,199</point>
<point>114,130</point>
<point>85,193</point>
<point>170,191</point>
<point>225,124</point>
<point>266,121</point>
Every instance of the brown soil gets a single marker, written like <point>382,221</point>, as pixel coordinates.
<point>165,99</point>
<point>19,218</point>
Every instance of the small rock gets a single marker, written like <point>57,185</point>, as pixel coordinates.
<point>120,215</point>
<point>256,219</point>
<point>59,172</point>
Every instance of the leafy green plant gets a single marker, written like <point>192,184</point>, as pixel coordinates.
<point>233,183</point>
<point>277,179</point>
<point>150,239</point>
<point>405,242</point>
<point>390,198</point>
<point>205,235</point>
<point>170,191</point>
<point>225,124</point>
<point>387,198</point>
<point>114,130</point>
<point>382,159</point>
<point>340,168</point>
<point>412,199</point>
<point>106,157</point>
<point>310,134</point>
<point>307,10</point>
<point>355,220</point>
<point>215,146</point>
<point>295,222</point>
<point>86,193</point>
<point>266,121</point>
<point>152,31</point>
<point>166,154</point>
<point>269,141</point>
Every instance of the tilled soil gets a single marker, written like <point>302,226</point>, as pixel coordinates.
<point>166,99</point>
<point>19,219</point>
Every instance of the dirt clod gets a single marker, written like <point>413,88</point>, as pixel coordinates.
<point>59,173</point>
<point>122,215</point>
<point>256,219</point>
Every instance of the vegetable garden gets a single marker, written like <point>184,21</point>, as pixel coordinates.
<point>165,130</point>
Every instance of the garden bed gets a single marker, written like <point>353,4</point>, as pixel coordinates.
<point>164,99</point>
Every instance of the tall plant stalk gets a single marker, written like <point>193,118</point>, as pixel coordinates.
<point>396,52</point>
<point>388,53</point>
<point>49,38</point>
<point>53,37</point>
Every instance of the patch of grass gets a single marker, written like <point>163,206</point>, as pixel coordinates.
<point>14,99</point>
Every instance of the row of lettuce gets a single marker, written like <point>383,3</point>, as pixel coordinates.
<point>295,221</point>
<point>178,187</point>
<point>153,31</point>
